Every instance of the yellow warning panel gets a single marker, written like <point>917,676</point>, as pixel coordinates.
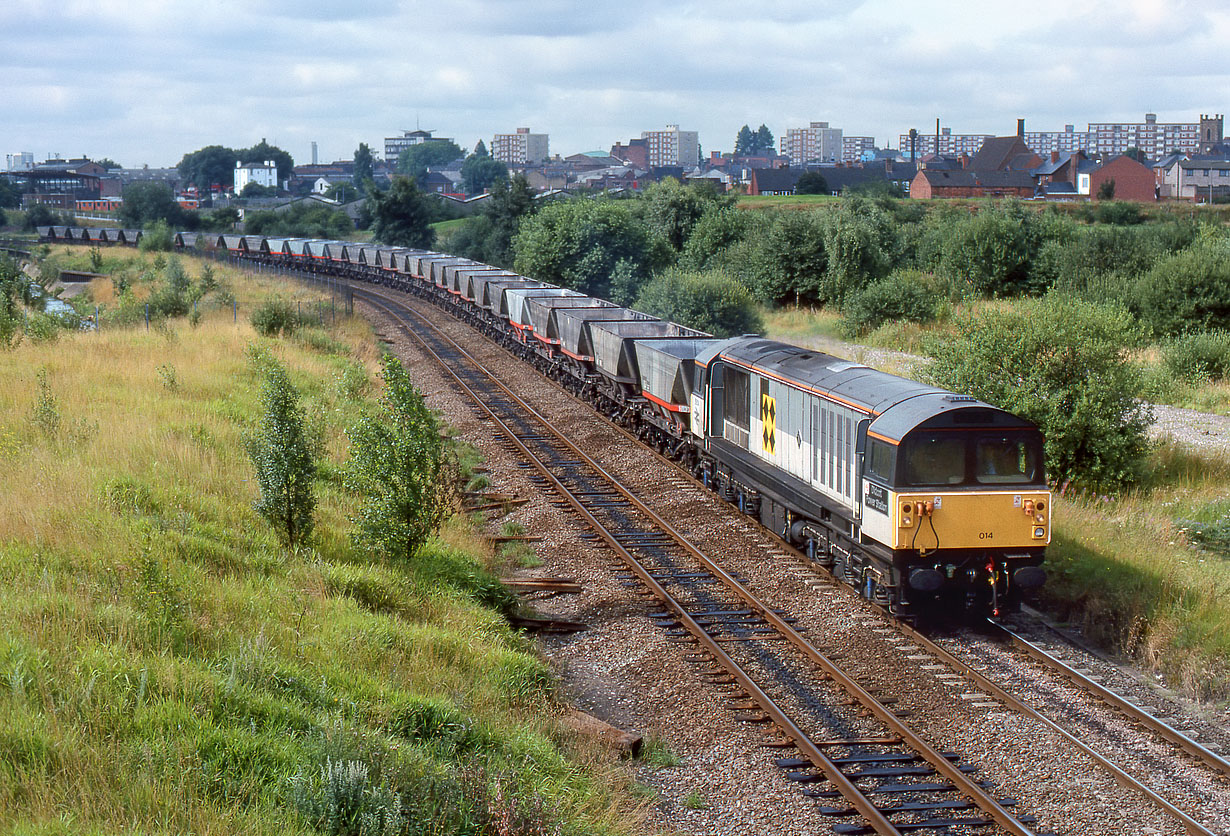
<point>768,418</point>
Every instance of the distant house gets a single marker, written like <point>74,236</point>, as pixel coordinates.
<point>1197,179</point>
<point>1005,153</point>
<point>930,184</point>
<point>1133,180</point>
<point>773,181</point>
<point>1062,167</point>
<point>262,174</point>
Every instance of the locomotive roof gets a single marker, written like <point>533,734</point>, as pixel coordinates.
<point>897,404</point>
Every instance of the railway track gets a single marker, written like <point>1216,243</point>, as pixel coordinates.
<point>883,772</point>
<point>818,753</point>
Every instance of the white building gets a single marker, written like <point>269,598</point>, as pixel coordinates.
<point>394,145</point>
<point>672,147</point>
<point>520,148</point>
<point>263,174</point>
<point>21,161</point>
<point>815,143</point>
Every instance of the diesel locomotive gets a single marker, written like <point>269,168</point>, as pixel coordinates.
<point>922,499</point>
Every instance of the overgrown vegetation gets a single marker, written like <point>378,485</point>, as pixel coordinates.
<point>167,664</point>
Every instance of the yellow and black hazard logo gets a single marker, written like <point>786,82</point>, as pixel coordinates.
<point>768,417</point>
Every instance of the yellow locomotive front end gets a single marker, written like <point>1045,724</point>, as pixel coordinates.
<point>960,502</point>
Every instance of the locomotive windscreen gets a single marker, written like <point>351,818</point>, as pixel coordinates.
<point>972,458</point>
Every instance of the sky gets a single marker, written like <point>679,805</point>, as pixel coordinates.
<point>146,81</point>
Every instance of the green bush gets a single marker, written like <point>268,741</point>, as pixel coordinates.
<point>1204,355</point>
<point>274,316</point>
<point>1060,363</point>
<point>1118,212</point>
<point>902,295</point>
<point>1187,291</point>
<point>156,237</point>
<point>993,250</point>
<point>712,301</point>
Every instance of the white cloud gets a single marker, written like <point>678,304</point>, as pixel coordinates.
<point>145,81</point>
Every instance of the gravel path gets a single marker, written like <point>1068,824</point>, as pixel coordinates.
<point>626,671</point>
<point>1204,431</point>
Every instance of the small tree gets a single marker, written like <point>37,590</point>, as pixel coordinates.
<point>401,216</point>
<point>812,182</point>
<point>1060,363</point>
<point>711,301</point>
<point>1106,191</point>
<point>398,464</point>
<point>282,458</point>
<point>363,161</point>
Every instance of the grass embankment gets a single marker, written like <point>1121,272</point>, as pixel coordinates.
<point>167,666</point>
<point>1146,574</point>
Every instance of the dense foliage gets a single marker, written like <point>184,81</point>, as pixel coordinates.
<point>1060,363</point>
<point>712,301</point>
<point>303,220</point>
<point>401,216</point>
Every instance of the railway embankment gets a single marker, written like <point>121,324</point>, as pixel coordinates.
<point>169,666</point>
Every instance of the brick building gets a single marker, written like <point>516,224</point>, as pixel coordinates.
<point>1133,180</point>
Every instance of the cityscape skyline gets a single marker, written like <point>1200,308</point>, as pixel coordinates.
<point>129,81</point>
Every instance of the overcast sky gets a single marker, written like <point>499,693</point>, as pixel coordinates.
<point>144,81</point>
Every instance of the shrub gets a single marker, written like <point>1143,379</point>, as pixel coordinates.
<point>860,244</point>
<point>282,458</point>
<point>1187,291</point>
<point>1118,212</point>
<point>274,316</point>
<point>1199,356</point>
<point>1060,364</point>
<point>992,250</point>
<point>398,465</point>
<point>902,295</point>
<point>712,301</point>
<point>156,237</point>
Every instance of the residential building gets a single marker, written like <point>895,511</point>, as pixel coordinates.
<point>394,145</point>
<point>943,143</point>
<point>1198,179</point>
<point>773,181</point>
<point>263,174</point>
<point>1155,139</point>
<point>816,143</point>
<point>635,153</point>
<point>672,147</point>
<point>1045,143</point>
<point>520,148</point>
<point>1133,180</point>
<point>937,183</point>
<point>855,149</point>
<point>1005,153</point>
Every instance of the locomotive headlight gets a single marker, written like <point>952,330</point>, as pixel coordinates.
<point>1039,532</point>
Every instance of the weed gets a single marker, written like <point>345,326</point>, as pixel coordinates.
<point>657,753</point>
<point>45,414</point>
<point>695,801</point>
<point>170,379</point>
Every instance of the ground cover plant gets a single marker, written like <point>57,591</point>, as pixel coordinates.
<point>168,664</point>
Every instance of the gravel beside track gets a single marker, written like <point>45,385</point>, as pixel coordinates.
<point>624,670</point>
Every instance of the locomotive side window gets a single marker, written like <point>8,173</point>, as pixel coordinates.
<point>881,458</point>
<point>1005,460</point>
<point>737,406</point>
<point>935,460</point>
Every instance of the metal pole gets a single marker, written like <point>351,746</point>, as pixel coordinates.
<point>147,316</point>
<point>97,324</point>
<point>235,311</point>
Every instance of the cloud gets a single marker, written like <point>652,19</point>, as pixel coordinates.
<point>144,81</point>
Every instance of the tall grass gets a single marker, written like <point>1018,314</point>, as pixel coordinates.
<point>166,666</point>
<point>1130,571</point>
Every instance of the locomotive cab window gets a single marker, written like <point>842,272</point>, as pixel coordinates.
<point>1007,460</point>
<point>736,406</point>
<point>881,460</point>
<point>935,460</point>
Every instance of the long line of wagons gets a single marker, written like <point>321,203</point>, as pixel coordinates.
<point>924,500</point>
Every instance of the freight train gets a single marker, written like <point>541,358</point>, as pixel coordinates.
<point>923,500</point>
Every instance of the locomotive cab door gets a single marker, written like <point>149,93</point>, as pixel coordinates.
<point>860,450</point>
